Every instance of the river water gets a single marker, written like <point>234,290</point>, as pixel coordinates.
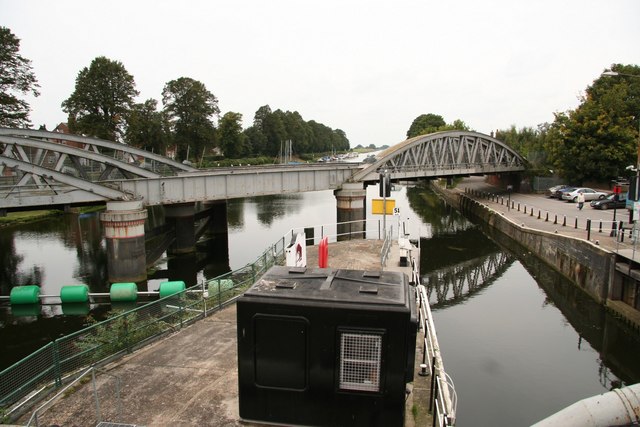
<point>518,340</point>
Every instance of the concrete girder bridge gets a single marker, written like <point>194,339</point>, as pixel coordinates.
<point>43,169</point>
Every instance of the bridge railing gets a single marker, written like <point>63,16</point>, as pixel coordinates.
<point>63,359</point>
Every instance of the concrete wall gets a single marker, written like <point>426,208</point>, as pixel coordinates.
<point>584,263</point>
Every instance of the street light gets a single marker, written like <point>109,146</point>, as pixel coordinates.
<point>611,73</point>
<point>636,190</point>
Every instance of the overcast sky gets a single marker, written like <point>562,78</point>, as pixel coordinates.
<point>366,67</point>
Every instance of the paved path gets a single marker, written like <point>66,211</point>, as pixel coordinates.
<point>190,377</point>
<point>556,211</point>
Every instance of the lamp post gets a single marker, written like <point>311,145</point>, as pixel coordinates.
<point>636,190</point>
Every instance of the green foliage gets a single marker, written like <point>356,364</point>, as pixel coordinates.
<point>119,332</point>
<point>271,129</point>
<point>210,162</point>
<point>190,107</point>
<point>527,141</point>
<point>425,124</point>
<point>597,140</point>
<point>429,123</point>
<point>148,128</point>
<point>101,101</point>
<point>232,141</point>
<point>15,76</point>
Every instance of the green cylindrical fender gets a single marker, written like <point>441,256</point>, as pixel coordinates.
<point>170,288</point>
<point>29,294</point>
<point>123,292</point>
<point>74,293</point>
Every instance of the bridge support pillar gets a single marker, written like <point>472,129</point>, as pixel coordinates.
<point>351,204</point>
<point>182,217</point>
<point>217,241</point>
<point>449,182</point>
<point>123,223</point>
<point>218,230</point>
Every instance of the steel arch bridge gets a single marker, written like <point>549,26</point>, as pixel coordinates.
<point>40,168</point>
<point>59,168</point>
<point>443,154</point>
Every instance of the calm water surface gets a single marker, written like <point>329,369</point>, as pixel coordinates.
<point>519,342</point>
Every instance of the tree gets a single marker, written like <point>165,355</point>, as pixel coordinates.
<point>232,140</point>
<point>190,108</point>
<point>425,124</point>
<point>147,128</point>
<point>101,101</point>
<point>597,140</point>
<point>16,75</point>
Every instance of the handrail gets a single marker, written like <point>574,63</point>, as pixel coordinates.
<point>444,400</point>
<point>46,405</point>
<point>49,364</point>
<point>386,246</point>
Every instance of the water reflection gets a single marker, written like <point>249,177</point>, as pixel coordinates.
<point>451,285</point>
<point>516,336</point>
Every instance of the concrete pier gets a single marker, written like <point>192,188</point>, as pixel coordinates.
<point>182,217</point>
<point>124,233</point>
<point>351,208</point>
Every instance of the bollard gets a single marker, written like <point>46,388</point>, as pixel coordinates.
<point>555,219</point>
<point>564,221</point>
<point>621,233</point>
<point>613,229</point>
<point>588,229</point>
<point>538,213</point>
<point>600,229</point>
<point>525,209</point>
<point>576,226</point>
<point>547,218</point>
<point>531,212</point>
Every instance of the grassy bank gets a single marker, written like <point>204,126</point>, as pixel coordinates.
<point>15,218</point>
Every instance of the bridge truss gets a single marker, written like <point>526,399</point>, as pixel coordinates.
<point>39,168</point>
<point>444,154</point>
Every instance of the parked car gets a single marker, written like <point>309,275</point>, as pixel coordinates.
<point>611,202</point>
<point>562,190</point>
<point>589,194</point>
<point>556,190</point>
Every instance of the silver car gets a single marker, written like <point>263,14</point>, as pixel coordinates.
<point>589,194</point>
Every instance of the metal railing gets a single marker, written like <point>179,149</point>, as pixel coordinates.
<point>444,400</point>
<point>50,365</point>
<point>63,359</point>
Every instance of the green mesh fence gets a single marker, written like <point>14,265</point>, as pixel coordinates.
<point>128,330</point>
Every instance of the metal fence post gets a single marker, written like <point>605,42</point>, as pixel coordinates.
<point>433,380</point>
<point>588,229</point>
<point>56,364</point>
<point>95,395</point>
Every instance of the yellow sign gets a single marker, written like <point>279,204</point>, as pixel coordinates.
<point>378,209</point>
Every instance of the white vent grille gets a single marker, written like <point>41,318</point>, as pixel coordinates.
<point>360,355</point>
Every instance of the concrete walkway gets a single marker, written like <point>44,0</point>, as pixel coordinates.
<point>554,213</point>
<point>190,377</point>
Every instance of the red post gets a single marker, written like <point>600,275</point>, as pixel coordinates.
<point>323,253</point>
